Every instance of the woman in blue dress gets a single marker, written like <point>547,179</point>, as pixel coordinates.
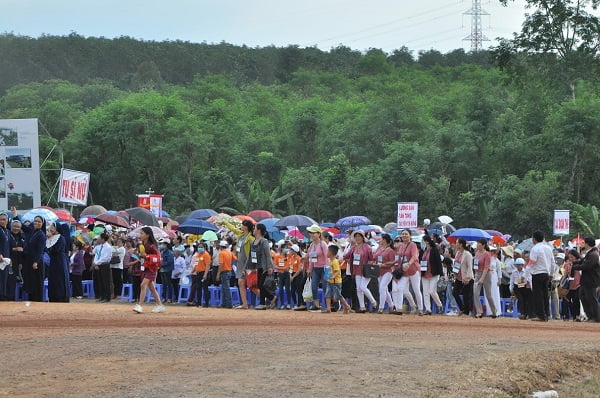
<point>58,271</point>
<point>33,264</point>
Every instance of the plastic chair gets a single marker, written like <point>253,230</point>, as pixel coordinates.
<point>20,294</point>
<point>235,296</point>
<point>88,288</point>
<point>45,291</point>
<point>149,296</point>
<point>215,295</point>
<point>184,293</point>
<point>127,292</point>
<point>509,307</point>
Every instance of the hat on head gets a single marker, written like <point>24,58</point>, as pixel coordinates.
<point>519,252</point>
<point>296,248</point>
<point>561,255</point>
<point>223,243</point>
<point>508,251</point>
<point>519,261</point>
<point>358,231</point>
<point>281,243</point>
<point>493,248</point>
<point>315,229</point>
<point>164,240</point>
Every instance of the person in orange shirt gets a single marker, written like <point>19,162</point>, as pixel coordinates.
<point>226,258</point>
<point>282,266</point>
<point>200,268</point>
<point>298,279</point>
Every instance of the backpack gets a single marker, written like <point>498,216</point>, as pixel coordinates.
<point>153,262</point>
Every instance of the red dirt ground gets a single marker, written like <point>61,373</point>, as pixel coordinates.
<point>86,349</point>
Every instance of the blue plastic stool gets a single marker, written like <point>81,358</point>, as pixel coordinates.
<point>252,298</point>
<point>88,288</point>
<point>509,307</point>
<point>127,292</point>
<point>45,291</point>
<point>235,296</point>
<point>20,294</point>
<point>215,295</point>
<point>184,293</point>
<point>149,296</point>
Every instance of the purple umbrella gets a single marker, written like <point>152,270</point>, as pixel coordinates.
<point>493,232</point>
<point>352,221</point>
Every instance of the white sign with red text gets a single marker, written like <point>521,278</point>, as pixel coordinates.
<point>73,187</point>
<point>408,213</point>
<point>561,222</point>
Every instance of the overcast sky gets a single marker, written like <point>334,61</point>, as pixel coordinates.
<point>360,24</point>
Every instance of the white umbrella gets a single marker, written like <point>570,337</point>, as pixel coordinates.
<point>158,233</point>
<point>445,219</point>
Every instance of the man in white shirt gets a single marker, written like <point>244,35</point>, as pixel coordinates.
<point>520,285</point>
<point>541,265</point>
<point>102,256</point>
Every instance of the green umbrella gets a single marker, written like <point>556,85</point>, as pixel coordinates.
<point>209,236</point>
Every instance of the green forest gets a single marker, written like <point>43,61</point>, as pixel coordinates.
<point>496,139</point>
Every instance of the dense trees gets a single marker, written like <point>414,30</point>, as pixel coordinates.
<point>326,134</point>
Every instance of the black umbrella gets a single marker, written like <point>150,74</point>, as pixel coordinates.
<point>202,214</point>
<point>181,219</point>
<point>298,220</point>
<point>143,215</point>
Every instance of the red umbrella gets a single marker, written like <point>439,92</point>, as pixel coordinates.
<point>498,240</point>
<point>64,215</point>
<point>259,215</point>
<point>332,230</point>
<point>113,219</point>
<point>296,234</point>
<point>242,217</point>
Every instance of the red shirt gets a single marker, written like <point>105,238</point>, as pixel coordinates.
<point>410,252</point>
<point>387,256</point>
<point>482,259</point>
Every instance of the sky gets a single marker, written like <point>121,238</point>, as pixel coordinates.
<point>359,24</point>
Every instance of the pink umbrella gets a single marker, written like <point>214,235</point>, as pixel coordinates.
<point>296,234</point>
<point>259,215</point>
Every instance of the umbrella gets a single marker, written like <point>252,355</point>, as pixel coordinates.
<point>470,234</point>
<point>48,215</point>
<point>445,219</point>
<point>93,210</point>
<point>296,234</point>
<point>158,233</point>
<point>498,240</point>
<point>181,219</point>
<point>210,236</point>
<point>196,227</point>
<point>64,215</point>
<point>369,228</point>
<point>331,230</point>
<point>390,227</point>
<point>273,231</point>
<point>244,218</point>
<point>170,234</point>
<point>327,225</point>
<point>493,232</point>
<point>144,216</point>
<point>352,221</point>
<point>296,220</point>
<point>438,225</point>
<point>164,214</point>
<point>121,214</point>
<point>113,219</point>
<point>526,245</point>
<point>260,215</point>
<point>202,214</point>
<point>577,241</point>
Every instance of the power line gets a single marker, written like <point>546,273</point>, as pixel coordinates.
<point>383,25</point>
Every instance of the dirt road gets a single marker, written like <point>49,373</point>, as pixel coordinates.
<point>87,349</point>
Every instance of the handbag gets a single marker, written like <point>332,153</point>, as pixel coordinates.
<point>307,291</point>
<point>252,280</point>
<point>371,271</point>
<point>115,259</point>
<point>563,288</point>
<point>397,274</point>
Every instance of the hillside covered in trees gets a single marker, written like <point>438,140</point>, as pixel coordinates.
<point>495,139</point>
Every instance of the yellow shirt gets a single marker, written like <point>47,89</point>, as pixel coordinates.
<point>335,269</point>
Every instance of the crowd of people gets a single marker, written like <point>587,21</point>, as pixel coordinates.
<point>365,273</point>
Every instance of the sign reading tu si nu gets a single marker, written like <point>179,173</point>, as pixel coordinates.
<point>408,213</point>
<point>73,187</point>
<point>561,222</point>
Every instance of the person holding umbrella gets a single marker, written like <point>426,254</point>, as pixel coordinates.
<point>483,278</point>
<point>359,255</point>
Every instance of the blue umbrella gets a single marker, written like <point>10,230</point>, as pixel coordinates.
<point>471,234</point>
<point>352,221</point>
<point>327,225</point>
<point>196,227</point>
<point>273,231</point>
<point>48,215</point>
<point>165,214</point>
<point>202,214</point>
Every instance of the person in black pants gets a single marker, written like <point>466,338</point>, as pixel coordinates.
<point>590,279</point>
<point>101,265</point>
